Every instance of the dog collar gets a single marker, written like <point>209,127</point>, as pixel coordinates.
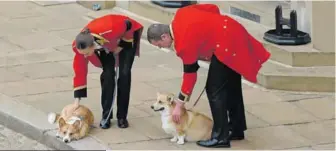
<point>73,119</point>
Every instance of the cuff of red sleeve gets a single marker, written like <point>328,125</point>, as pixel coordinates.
<point>183,97</point>
<point>125,43</point>
<point>80,93</point>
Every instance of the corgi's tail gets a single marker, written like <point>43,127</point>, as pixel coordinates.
<point>53,117</point>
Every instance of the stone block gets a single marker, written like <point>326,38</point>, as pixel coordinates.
<point>57,99</point>
<point>115,135</point>
<point>146,107</point>
<point>23,113</point>
<point>66,49</point>
<point>67,34</point>
<point>8,48</point>
<point>324,147</point>
<point>235,145</point>
<point>275,137</point>
<point>9,76</point>
<point>253,121</point>
<point>49,3</point>
<point>322,108</point>
<point>257,96</point>
<point>26,9</point>
<point>142,91</point>
<point>280,113</point>
<point>37,40</point>
<point>36,86</point>
<point>173,85</point>
<point>42,70</point>
<point>47,23</point>
<point>294,96</point>
<point>33,56</point>
<point>154,74</point>
<point>146,145</point>
<point>316,132</point>
<point>301,148</point>
<point>150,126</point>
<point>91,83</point>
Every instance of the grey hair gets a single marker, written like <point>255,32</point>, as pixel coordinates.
<point>84,39</point>
<point>155,31</point>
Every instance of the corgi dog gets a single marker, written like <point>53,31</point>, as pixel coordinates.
<point>192,125</point>
<point>72,126</point>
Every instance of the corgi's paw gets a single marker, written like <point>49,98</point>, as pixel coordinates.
<point>51,118</point>
<point>180,142</point>
<point>174,139</point>
<point>58,135</point>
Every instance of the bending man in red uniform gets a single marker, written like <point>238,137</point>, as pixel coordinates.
<point>99,42</point>
<point>200,32</point>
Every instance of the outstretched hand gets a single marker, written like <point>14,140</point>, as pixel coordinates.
<point>117,50</point>
<point>73,107</point>
<point>76,103</point>
<point>177,111</point>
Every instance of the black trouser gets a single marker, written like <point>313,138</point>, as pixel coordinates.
<point>224,91</point>
<point>107,80</point>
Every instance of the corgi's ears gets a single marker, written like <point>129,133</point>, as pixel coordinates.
<point>77,123</point>
<point>170,98</point>
<point>61,122</point>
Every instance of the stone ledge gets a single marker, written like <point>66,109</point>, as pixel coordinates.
<point>33,123</point>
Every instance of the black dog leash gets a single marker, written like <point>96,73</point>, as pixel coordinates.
<point>198,98</point>
<point>213,94</point>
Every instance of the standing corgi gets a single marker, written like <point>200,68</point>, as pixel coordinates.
<point>194,124</point>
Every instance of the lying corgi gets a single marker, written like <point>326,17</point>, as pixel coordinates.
<point>74,126</point>
<point>192,124</point>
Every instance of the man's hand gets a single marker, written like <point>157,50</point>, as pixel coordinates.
<point>177,111</point>
<point>76,104</point>
<point>117,50</point>
<point>73,107</point>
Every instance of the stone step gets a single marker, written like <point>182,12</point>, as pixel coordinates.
<point>299,56</point>
<point>316,79</point>
<point>273,75</point>
<point>262,12</point>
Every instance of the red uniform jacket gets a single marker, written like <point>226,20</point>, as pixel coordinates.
<point>108,30</point>
<point>198,38</point>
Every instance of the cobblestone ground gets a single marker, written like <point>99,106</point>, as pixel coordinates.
<point>11,140</point>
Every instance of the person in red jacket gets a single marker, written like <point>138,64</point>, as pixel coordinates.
<point>101,42</point>
<point>200,32</point>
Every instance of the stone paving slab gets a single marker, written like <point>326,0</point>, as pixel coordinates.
<point>18,9</point>
<point>318,133</point>
<point>49,3</point>
<point>322,108</point>
<point>272,116</point>
<point>38,40</point>
<point>33,123</point>
<point>280,113</point>
<point>11,140</point>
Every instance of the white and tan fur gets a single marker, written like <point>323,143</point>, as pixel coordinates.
<point>193,125</point>
<point>72,125</point>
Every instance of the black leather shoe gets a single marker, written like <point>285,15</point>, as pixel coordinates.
<point>122,123</point>
<point>237,136</point>
<point>214,143</point>
<point>105,123</point>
